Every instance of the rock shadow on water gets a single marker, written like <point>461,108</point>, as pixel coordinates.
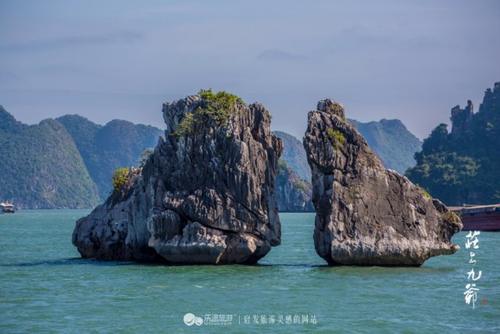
<point>323,268</point>
<point>379,271</point>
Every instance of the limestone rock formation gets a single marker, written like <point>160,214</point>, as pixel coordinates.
<point>463,166</point>
<point>365,214</point>
<point>461,118</point>
<point>204,196</point>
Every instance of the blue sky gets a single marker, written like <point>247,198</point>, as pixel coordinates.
<point>411,60</point>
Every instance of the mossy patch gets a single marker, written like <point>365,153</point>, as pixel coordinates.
<point>425,193</point>
<point>451,217</point>
<point>215,107</point>
<point>336,137</point>
<point>186,125</point>
<point>121,177</point>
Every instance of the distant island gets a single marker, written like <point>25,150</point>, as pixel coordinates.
<point>463,166</point>
<point>105,148</point>
<point>41,167</point>
<point>67,162</point>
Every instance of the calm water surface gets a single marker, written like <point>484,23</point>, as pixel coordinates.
<point>45,287</point>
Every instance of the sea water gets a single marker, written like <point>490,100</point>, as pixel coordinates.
<point>46,287</point>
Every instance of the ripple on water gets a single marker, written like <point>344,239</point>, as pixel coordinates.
<point>46,287</point>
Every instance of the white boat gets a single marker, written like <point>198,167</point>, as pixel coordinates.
<point>7,207</point>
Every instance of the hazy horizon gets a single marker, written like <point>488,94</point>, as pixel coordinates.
<point>412,61</point>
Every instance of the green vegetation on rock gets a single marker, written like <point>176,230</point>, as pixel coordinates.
<point>120,178</point>
<point>337,137</point>
<point>425,193</point>
<point>451,217</point>
<point>216,107</point>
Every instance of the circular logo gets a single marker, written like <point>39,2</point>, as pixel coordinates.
<point>190,319</point>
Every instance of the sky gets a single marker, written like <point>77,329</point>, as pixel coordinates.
<point>411,60</point>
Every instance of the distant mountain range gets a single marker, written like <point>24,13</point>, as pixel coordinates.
<point>68,162</point>
<point>293,192</point>
<point>41,167</point>
<point>391,140</point>
<point>105,148</point>
<point>294,155</point>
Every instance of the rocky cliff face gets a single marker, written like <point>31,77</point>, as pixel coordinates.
<point>206,194</point>
<point>293,193</point>
<point>365,214</point>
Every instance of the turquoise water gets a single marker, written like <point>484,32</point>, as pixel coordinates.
<point>45,287</point>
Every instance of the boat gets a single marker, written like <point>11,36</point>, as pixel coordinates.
<point>7,207</point>
<point>479,217</point>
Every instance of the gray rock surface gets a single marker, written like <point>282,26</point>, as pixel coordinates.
<point>205,196</point>
<point>365,214</point>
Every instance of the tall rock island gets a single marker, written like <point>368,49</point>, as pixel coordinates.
<point>204,196</point>
<point>365,214</point>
